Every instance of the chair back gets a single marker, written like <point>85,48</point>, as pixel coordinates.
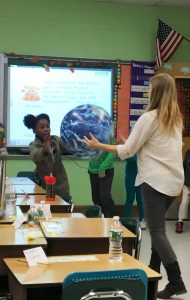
<point>72,204</point>
<point>94,211</point>
<point>118,284</point>
<point>134,226</point>
<point>31,175</point>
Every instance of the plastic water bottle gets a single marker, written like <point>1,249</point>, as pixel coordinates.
<point>32,215</point>
<point>10,199</point>
<point>115,240</point>
<point>41,208</point>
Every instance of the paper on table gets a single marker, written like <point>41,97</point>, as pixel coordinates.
<point>53,226</point>
<point>35,255</point>
<point>34,232</point>
<point>72,258</point>
<point>20,219</point>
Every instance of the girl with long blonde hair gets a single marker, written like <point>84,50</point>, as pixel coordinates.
<point>163,97</point>
<point>157,140</point>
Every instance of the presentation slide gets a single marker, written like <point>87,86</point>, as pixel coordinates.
<point>33,90</point>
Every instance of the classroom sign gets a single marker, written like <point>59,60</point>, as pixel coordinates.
<point>141,72</point>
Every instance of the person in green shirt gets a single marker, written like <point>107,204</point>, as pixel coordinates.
<point>101,172</point>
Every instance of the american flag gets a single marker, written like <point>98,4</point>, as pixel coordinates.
<point>167,41</point>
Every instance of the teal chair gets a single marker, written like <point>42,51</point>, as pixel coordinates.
<point>134,226</point>
<point>93,211</point>
<point>118,284</point>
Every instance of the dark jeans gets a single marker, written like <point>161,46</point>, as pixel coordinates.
<point>156,205</point>
<point>101,192</point>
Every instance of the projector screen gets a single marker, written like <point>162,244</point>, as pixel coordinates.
<point>34,90</point>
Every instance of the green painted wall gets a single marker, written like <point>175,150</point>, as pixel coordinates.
<point>83,29</point>
<point>78,178</point>
<point>70,28</point>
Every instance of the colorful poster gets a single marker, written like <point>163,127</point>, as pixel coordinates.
<point>141,72</point>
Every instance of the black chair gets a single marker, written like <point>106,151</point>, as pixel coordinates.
<point>94,211</point>
<point>72,204</point>
<point>129,284</point>
<point>134,226</point>
<point>31,175</point>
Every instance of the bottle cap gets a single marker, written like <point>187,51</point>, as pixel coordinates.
<point>116,218</point>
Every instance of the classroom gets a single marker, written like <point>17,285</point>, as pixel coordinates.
<point>117,35</point>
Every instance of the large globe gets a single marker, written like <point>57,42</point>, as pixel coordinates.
<point>82,120</point>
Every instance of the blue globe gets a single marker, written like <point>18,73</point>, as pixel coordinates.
<point>79,122</point>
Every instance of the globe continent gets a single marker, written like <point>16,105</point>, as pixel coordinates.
<point>79,122</point>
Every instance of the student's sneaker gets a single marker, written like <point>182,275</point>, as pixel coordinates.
<point>143,224</point>
<point>179,227</point>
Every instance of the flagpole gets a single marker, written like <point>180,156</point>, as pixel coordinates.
<point>186,39</point>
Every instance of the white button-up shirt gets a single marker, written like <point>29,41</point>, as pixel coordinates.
<point>159,156</point>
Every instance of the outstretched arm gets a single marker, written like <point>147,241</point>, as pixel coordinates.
<point>137,138</point>
<point>93,143</point>
<point>38,152</point>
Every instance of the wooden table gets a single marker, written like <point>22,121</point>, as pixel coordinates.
<point>57,206</point>
<point>6,219</point>
<point>68,215</point>
<point>14,241</point>
<point>24,279</point>
<point>81,236</point>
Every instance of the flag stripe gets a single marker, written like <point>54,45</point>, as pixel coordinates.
<point>158,56</point>
<point>170,41</point>
<point>170,36</point>
<point>173,48</point>
<point>172,44</point>
<point>167,42</point>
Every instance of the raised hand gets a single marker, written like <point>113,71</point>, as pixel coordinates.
<point>47,143</point>
<point>92,143</point>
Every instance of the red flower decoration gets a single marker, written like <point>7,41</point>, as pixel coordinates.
<point>50,179</point>
<point>72,69</point>
<point>47,68</point>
